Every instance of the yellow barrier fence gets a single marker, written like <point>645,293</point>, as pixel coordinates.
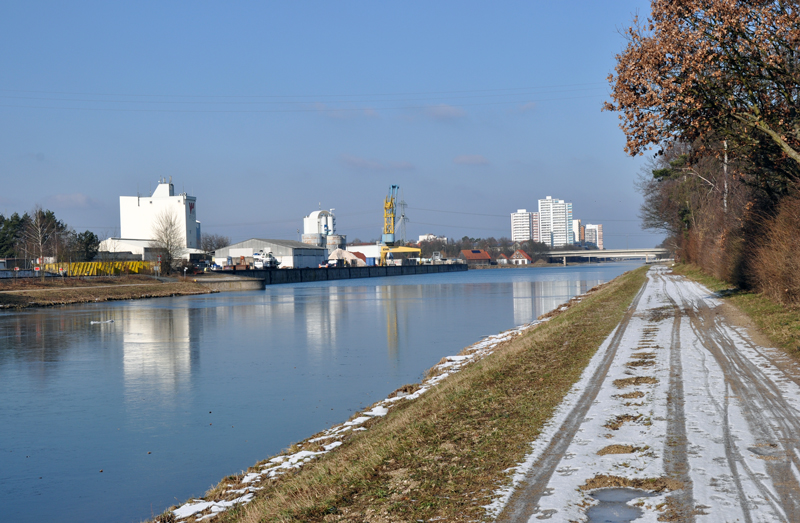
<point>99,268</point>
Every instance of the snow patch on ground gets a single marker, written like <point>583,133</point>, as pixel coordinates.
<point>279,465</point>
<point>730,481</point>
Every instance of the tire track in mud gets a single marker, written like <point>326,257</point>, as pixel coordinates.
<point>770,418</point>
<point>676,461</point>
<point>525,500</point>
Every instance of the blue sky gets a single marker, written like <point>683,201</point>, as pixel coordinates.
<point>266,111</point>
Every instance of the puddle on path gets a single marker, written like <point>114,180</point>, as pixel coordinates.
<point>612,507</point>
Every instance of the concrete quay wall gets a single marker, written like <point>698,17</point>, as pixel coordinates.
<point>278,276</point>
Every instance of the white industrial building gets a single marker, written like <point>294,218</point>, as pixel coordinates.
<point>594,235</point>
<point>555,222</point>
<point>138,219</point>
<point>524,226</point>
<point>290,253</point>
<point>319,229</point>
<point>372,252</point>
<point>432,237</point>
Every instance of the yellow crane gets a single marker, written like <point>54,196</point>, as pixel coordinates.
<point>387,240</point>
<point>388,216</point>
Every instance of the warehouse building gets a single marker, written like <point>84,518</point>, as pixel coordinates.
<point>290,254</point>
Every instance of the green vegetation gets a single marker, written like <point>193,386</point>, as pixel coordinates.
<point>442,455</point>
<point>40,234</point>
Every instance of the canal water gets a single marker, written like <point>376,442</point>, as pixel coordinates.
<point>115,411</point>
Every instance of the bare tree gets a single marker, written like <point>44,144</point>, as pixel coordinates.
<point>168,238</point>
<point>38,233</point>
<point>211,242</point>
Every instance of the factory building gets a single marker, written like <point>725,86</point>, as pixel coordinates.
<point>289,253</point>
<point>319,230</point>
<point>139,217</point>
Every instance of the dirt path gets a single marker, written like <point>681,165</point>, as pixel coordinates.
<point>680,404</point>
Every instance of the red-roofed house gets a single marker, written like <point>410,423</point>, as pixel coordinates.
<point>475,257</point>
<point>503,259</point>
<point>521,258</point>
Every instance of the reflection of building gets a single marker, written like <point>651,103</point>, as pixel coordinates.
<point>523,302</point>
<point>158,350</point>
<point>321,317</point>
<point>532,299</point>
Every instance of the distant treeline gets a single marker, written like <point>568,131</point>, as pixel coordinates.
<point>495,247</point>
<point>39,234</point>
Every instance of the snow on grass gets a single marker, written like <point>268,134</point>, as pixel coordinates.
<point>279,465</point>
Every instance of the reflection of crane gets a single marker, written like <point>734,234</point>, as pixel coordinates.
<point>388,216</point>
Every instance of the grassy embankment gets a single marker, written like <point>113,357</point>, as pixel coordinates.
<point>442,455</point>
<point>780,323</point>
<point>35,292</point>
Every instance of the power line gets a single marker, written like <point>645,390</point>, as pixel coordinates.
<point>310,110</point>
<point>507,89</point>
<point>272,102</point>
<point>507,215</point>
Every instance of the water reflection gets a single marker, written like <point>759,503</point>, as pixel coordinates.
<point>160,347</point>
<point>534,298</point>
<point>277,365</point>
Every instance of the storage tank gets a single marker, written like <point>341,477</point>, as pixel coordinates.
<point>320,222</point>
<point>335,241</point>
<point>316,240</point>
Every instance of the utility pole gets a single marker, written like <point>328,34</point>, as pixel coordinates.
<point>403,218</point>
<point>725,178</point>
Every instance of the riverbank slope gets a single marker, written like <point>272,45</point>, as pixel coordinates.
<point>30,292</point>
<point>441,455</point>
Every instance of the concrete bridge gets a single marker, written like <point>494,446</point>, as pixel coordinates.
<point>647,254</point>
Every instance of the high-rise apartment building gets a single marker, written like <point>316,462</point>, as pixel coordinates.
<point>524,226</point>
<point>594,235</point>
<point>555,222</point>
<point>576,231</point>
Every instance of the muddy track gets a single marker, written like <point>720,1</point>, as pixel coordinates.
<point>771,419</point>
<point>526,500</point>
<point>683,408</point>
<point>676,463</point>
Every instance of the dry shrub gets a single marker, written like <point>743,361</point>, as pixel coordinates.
<point>775,262</point>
